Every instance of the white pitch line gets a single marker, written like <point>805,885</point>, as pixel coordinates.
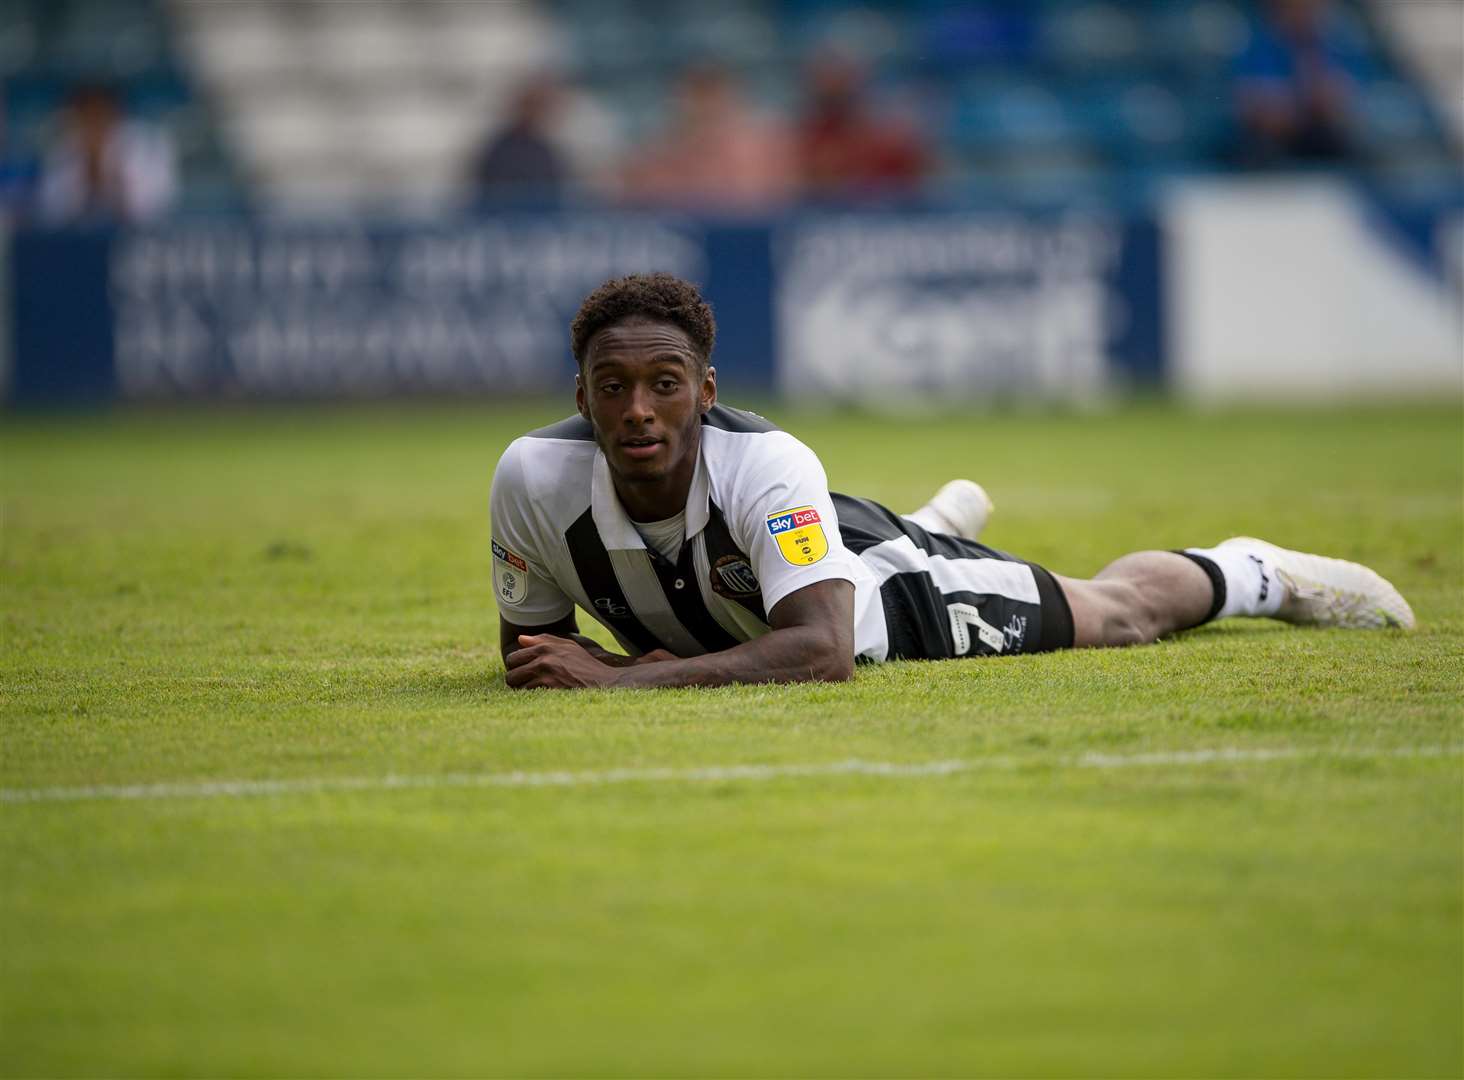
<point>1281,753</point>
<point>220,789</point>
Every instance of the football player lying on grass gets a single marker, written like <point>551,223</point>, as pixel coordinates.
<point>708,543</point>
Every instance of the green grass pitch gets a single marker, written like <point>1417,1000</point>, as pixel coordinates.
<point>1239,852</point>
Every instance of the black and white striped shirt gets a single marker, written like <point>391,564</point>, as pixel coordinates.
<point>760,524</point>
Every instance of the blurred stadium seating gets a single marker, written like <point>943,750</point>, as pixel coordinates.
<point>368,128</point>
<point>311,103</point>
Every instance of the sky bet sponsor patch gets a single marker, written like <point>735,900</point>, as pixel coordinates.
<point>510,575</point>
<point>800,536</point>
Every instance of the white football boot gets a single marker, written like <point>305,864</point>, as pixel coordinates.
<point>959,508</point>
<point>1321,591</point>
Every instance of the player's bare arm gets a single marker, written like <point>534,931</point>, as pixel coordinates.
<point>811,640</point>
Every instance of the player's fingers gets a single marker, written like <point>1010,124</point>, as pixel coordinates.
<point>536,671</point>
<point>542,639</point>
<point>543,673</point>
<point>530,680</point>
<point>539,644</point>
<point>519,657</point>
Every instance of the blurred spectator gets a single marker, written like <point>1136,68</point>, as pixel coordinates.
<point>104,167</point>
<point>717,152</point>
<point>845,151</point>
<point>1294,87</point>
<point>521,162</point>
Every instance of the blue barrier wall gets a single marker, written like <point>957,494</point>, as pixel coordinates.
<point>960,303</point>
<point>62,318</point>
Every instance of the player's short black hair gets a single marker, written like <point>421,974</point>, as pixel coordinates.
<point>659,296</point>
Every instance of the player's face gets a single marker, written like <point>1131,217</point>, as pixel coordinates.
<point>644,391</point>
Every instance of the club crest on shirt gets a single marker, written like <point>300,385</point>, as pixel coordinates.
<point>800,535</point>
<point>510,576</point>
<point>732,577</point>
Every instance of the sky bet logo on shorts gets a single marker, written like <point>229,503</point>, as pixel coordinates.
<point>800,536</point>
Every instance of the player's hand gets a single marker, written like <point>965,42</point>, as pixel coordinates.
<point>600,653</point>
<point>617,659</point>
<point>556,663</point>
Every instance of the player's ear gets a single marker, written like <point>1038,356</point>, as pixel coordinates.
<point>579,397</point>
<point>709,389</point>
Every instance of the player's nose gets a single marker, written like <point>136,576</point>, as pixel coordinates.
<point>639,408</point>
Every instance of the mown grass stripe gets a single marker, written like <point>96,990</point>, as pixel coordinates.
<point>216,789</point>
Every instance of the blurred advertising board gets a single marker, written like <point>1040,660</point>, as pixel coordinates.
<point>233,309</point>
<point>355,312</point>
<point>833,307</point>
<point>891,309</point>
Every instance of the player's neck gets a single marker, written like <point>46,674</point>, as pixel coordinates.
<point>659,499</point>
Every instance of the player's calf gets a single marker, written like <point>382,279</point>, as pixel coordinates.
<point>1138,599</point>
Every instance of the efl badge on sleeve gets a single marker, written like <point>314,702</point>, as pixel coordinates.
<point>800,536</point>
<point>510,576</point>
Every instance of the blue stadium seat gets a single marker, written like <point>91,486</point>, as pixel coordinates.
<point>114,38</point>
<point>986,35</point>
<point>1010,111</point>
<point>1393,114</point>
<point>1090,37</point>
<point>1199,37</point>
<point>20,36</point>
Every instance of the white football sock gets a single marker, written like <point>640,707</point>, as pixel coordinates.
<point>1251,585</point>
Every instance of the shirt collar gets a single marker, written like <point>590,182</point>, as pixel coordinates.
<point>613,524</point>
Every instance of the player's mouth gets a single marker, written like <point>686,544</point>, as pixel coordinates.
<point>641,448</point>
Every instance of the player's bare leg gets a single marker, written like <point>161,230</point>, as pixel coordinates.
<point>1138,599</point>
<point>1144,596</point>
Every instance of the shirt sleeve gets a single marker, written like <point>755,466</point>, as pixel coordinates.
<point>785,520</point>
<point>523,588</point>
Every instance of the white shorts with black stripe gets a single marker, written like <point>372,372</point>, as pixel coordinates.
<point>945,596</point>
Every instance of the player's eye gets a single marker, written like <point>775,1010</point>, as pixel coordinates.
<point>609,388</point>
<point>667,385</point>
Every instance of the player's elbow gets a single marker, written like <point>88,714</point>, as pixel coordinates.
<point>841,671</point>
<point>831,663</point>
